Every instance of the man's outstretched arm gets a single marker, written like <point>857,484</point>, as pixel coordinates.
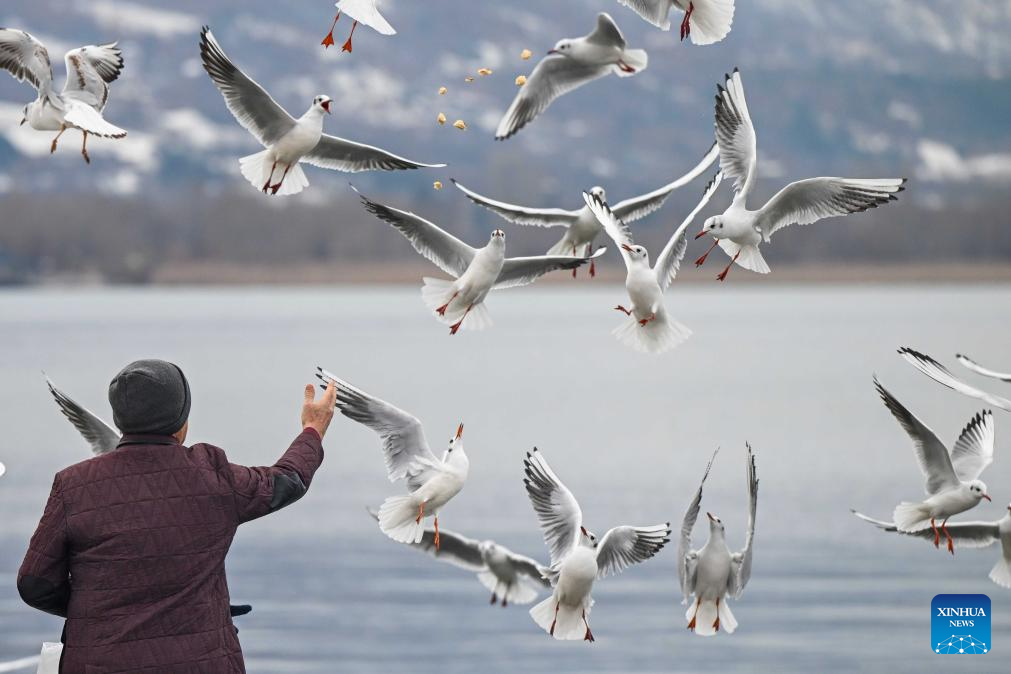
<point>43,579</point>
<point>260,491</point>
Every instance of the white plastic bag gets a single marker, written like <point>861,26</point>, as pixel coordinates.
<point>49,663</point>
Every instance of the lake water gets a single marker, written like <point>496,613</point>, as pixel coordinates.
<point>787,369</point>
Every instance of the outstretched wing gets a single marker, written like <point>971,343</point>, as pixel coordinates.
<point>931,453</point>
<point>686,556</point>
<point>556,507</point>
<point>436,244</point>
<point>973,451</point>
<point>656,12</point>
<point>344,155</point>
<point>615,228</point>
<point>607,32</point>
<point>25,58</point>
<point>521,271</point>
<point>979,369</point>
<point>521,215</point>
<point>807,201</point>
<point>621,547</point>
<point>941,375</point>
<point>454,548</point>
<point>249,103</point>
<point>965,534</point>
<point>635,208</point>
<point>667,265</point>
<point>102,437</point>
<point>529,568</point>
<point>405,448</point>
<point>735,135</point>
<point>90,70</point>
<point>742,560</point>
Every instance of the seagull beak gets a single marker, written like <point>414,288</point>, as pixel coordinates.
<point>987,497</point>
<point>459,431</point>
<point>626,247</point>
<point>700,234</point>
<point>23,121</point>
<point>583,530</point>
<point>712,518</point>
<point>326,106</point>
<point>553,51</point>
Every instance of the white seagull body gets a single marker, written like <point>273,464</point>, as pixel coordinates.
<point>943,376</point>
<point>361,11</point>
<point>953,484</point>
<point>431,482</point>
<point>648,328</point>
<point>476,272</point>
<point>569,65</point>
<point>970,535</point>
<point>577,559</point>
<point>511,578</point>
<point>739,231</point>
<point>710,575</point>
<point>581,226</point>
<point>288,141</point>
<point>90,70</point>
<point>706,21</point>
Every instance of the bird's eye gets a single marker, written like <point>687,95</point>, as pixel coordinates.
<point>721,225</point>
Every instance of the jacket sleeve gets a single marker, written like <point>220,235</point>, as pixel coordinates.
<point>44,578</point>
<point>261,491</point>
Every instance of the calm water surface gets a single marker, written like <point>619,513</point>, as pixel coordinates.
<point>787,369</point>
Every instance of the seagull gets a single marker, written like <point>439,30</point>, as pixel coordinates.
<point>511,578</point>
<point>714,573</point>
<point>362,11</point>
<point>942,375</point>
<point>648,327</point>
<point>581,226</point>
<point>431,482</point>
<point>90,70</point>
<point>970,535</point>
<point>288,140</point>
<point>707,21</point>
<point>570,64</point>
<point>979,369</point>
<point>953,483</point>
<point>739,231</point>
<point>475,271</point>
<point>577,559</point>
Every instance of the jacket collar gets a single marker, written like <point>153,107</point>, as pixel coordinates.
<point>146,439</point>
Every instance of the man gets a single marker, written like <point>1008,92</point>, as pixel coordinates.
<point>131,547</point>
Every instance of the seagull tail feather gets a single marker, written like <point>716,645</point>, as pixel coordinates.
<point>568,620</point>
<point>910,517</point>
<point>398,519</point>
<point>256,169</point>
<point>1001,573</point>
<point>657,336</point>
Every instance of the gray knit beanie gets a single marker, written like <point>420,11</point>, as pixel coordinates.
<point>150,397</point>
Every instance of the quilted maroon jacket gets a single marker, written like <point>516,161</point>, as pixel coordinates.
<point>131,551</point>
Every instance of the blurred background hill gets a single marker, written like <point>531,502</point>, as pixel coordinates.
<point>916,88</point>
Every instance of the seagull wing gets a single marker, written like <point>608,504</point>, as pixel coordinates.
<point>615,228</point>
<point>26,59</point>
<point>90,70</point>
<point>931,453</point>
<point>656,12</point>
<point>965,534</point>
<point>454,548</point>
<point>807,201</point>
<point>979,369</point>
<point>686,556</point>
<point>667,265</point>
<point>556,507</point>
<point>405,448</point>
<point>434,243</point>
<point>742,559</point>
<point>554,76</point>
<point>521,271</point>
<point>941,375</point>
<point>973,451</point>
<point>521,215</point>
<point>607,32</point>
<point>529,568</point>
<point>102,437</point>
<point>621,547</point>
<point>249,103</point>
<point>344,155</point>
<point>635,208</point>
<point>735,135</point>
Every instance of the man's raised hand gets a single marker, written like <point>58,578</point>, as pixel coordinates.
<point>317,415</point>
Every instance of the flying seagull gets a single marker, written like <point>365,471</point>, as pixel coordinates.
<point>739,231</point>
<point>707,21</point>
<point>431,482</point>
<point>943,376</point>
<point>475,271</point>
<point>570,64</point>
<point>581,226</point>
<point>647,327</point>
<point>712,574</point>
<point>361,11</point>
<point>969,535</point>
<point>511,578</point>
<point>577,559</point>
<point>90,70</point>
<point>953,485</point>
<point>288,141</point>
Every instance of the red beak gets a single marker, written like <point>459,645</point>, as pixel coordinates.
<point>553,51</point>
<point>627,247</point>
<point>326,106</point>
<point>987,497</point>
<point>459,431</point>
<point>710,516</point>
<point>700,234</point>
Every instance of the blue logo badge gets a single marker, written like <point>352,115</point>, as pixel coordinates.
<point>960,624</point>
